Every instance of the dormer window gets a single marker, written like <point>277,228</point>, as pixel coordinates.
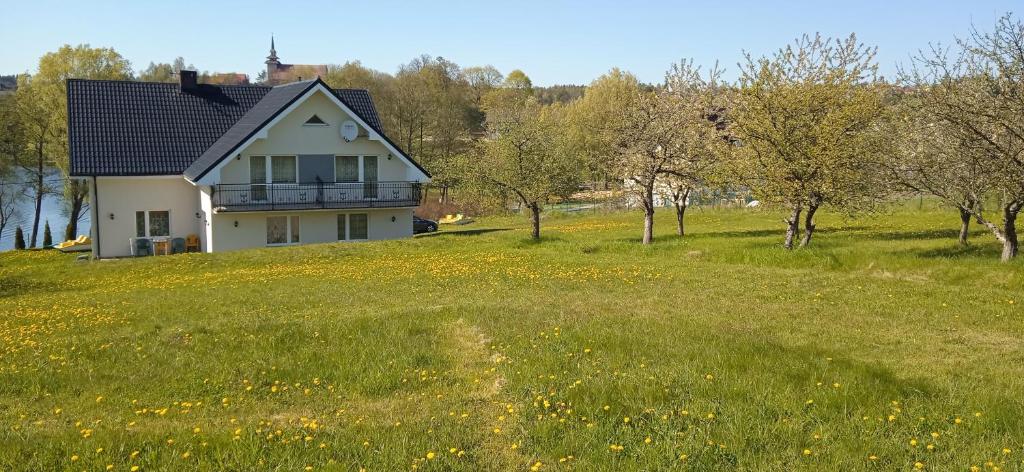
<point>315,121</point>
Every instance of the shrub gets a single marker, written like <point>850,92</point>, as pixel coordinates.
<point>47,235</point>
<point>19,238</point>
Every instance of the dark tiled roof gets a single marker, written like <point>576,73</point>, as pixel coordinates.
<point>144,128</point>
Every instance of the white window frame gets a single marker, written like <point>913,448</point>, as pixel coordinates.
<point>348,226</point>
<point>359,164</point>
<point>146,218</point>
<point>359,168</point>
<point>268,158</point>
<point>287,228</point>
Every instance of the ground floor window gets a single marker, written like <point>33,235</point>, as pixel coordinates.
<point>153,223</point>
<point>282,230</point>
<point>353,226</point>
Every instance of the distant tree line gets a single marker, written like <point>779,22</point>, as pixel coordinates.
<point>809,126</point>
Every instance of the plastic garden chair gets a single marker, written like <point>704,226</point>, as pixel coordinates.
<point>177,245</point>
<point>192,243</point>
<point>143,247</point>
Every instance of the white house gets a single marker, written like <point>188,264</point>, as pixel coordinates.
<point>238,166</point>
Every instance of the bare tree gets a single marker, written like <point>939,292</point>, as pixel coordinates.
<point>977,96</point>
<point>523,154</point>
<point>10,194</point>
<point>666,135</point>
<point>930,157</point>
<point>702,101</point>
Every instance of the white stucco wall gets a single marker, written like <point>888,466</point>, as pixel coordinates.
<point>315,226</point>
<point>123,196</point>
<point>289,137</point>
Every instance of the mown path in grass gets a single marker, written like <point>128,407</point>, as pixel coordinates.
<point>883,347</point>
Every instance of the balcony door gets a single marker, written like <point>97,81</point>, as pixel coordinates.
<point>258,178</point>
<point>369,176</point>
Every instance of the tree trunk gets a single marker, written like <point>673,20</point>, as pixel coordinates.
<point>77,192</point>
<point>535,219</point>
<point>792,226</point>
<point>648,204</point>
<point>681,205</point>
<point>40,193</point>
<point>680,214</point>
<point>1009,232</point>
<point>965,226</point>
<point>648,225</point>
<point>808,225</point>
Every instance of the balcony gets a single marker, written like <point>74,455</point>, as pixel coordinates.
<point>314,196</point>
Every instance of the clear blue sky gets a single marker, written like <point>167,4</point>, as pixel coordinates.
<point>553,42</point>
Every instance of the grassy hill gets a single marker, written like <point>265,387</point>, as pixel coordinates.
<point>883,347</point>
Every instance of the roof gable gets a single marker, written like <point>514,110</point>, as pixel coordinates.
<point>259,116</point>
<point>126,128</point>
<point>274,107</point>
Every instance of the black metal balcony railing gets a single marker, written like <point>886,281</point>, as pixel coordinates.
<point>319,195</point>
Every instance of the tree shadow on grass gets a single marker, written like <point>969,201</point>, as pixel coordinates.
<point>780,232</point>
<point>950,234</point>
<point>14,285</point>
<point>956,251</point>
<point>462,232</point>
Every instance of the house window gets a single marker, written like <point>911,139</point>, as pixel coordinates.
<point>283,169</point>
<point>152,223</point>
<point>358,226</point>
<point>282,230</point>
<point>315,121</point>
<point>346,169</point>
<point>140,224</point>
<point>342,227</point>
<point>353,226</point>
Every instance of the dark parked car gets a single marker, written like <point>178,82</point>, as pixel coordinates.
<point>420,225</point>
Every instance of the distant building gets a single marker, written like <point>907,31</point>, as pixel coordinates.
<point>226,78</point>
<point>8,83</point>
<point>278,73</point>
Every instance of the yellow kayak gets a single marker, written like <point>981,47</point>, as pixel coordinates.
<point>79,244</point>
<point>458,219</point>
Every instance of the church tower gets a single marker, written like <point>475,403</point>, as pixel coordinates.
<point>273,64</point>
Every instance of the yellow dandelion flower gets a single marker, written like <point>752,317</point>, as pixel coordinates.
<point>430,455</point>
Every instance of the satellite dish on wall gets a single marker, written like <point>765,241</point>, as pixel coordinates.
<point>349,130</point>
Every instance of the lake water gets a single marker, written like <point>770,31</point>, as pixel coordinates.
<point>53,210</point>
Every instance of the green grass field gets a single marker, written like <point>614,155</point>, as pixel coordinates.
<point>884,347</point>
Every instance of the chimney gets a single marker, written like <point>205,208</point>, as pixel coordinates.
<point>188,80</point>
